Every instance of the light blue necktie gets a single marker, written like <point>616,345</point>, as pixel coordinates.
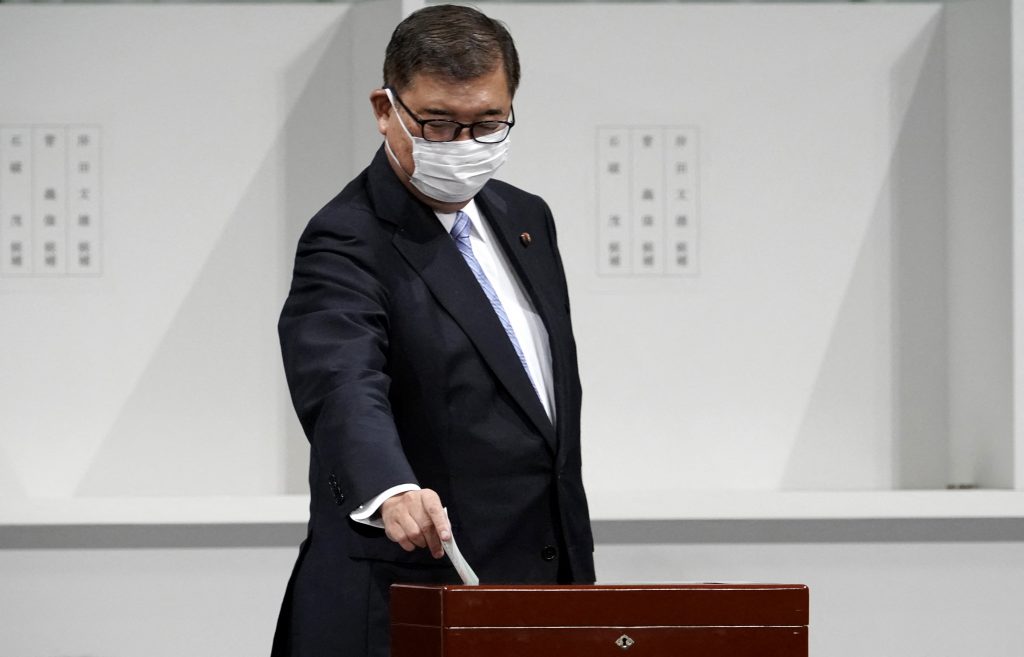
<point>460,232</point>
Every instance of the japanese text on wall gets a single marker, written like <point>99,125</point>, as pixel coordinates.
<point>647,201</point>
<point>49,200</point>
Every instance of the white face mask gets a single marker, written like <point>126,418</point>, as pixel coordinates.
<point>450,171</point>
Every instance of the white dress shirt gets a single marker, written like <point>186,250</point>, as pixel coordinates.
<point>526,323</point>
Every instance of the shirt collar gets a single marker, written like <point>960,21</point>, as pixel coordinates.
<point>447,220</point>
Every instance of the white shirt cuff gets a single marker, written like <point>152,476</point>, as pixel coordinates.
<point>367,513</point>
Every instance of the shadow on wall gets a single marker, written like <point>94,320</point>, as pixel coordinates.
<point>200,407</point>
<point>894,306</point>
<point>329,137</point>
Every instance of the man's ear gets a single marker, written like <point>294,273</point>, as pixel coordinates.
<point>381,109</point>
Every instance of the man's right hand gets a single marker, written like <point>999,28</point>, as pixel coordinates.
<point>416,519</point>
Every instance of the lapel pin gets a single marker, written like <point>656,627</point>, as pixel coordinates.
<point>525,239</point>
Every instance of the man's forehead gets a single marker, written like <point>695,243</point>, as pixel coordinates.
<point>437,87</point>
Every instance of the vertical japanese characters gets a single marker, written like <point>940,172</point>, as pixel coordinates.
<point>50,200</point>
<point>647,201</point>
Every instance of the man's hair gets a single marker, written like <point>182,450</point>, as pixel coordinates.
<point>450,41</point>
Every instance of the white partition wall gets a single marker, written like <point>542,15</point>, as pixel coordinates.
<point>791,234</point>
<point>771,366</point>
<point>786,228</point>
<point>216,132</point>
<point>846,322</point>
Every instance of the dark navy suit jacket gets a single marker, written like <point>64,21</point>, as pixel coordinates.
<point>400,372</point>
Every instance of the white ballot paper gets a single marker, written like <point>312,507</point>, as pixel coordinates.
<point>462,567</point>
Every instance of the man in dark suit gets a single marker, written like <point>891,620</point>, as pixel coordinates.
<point>429,352</point>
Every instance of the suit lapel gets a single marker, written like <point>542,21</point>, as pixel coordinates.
<point>508,231</point>
<point>429,250</point>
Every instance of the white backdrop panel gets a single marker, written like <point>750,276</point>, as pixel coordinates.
<point>223,128</point>
<point>772,367</point>
<point>161,375</point>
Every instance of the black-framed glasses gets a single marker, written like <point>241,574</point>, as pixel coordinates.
<point>485,132</point>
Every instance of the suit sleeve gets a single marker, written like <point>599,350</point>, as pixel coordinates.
<point>334,343</point>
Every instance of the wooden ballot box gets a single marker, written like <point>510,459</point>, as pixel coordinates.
<point>679,620</point>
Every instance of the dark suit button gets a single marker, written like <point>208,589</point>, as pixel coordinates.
<point>339,498</point>
<point>549,553</point>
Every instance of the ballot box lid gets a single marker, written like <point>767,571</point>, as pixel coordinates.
<point>670,605</point>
